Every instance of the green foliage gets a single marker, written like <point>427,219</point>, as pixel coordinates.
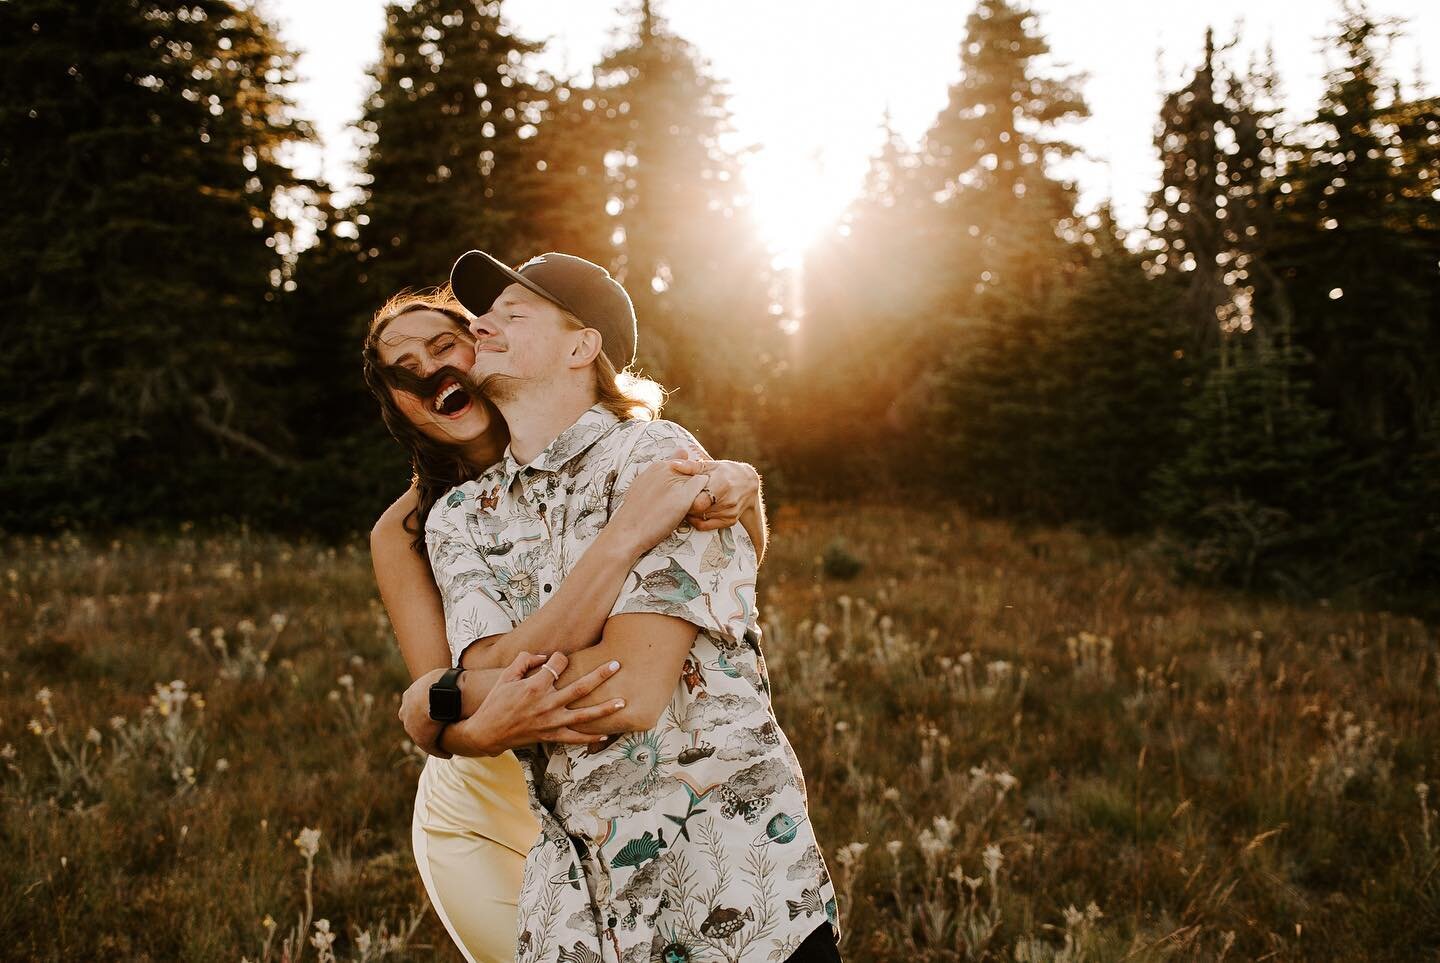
<point>838,561</point>
<point>1250,492</point>
<point>451,145</point>
<point>1361,244</point>
<point>1321,245</point>
<point>1114,372</point>
<point>140,263</point>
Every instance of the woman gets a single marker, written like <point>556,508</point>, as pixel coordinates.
<point>473,825</point>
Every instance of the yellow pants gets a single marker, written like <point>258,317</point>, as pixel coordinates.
<point>472,830</point>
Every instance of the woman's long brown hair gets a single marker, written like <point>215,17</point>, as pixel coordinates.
<point>435,468</point>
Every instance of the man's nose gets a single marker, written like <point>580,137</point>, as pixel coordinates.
<point>483,326</point>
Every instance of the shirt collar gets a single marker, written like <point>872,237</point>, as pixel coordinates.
<point>590,427</point>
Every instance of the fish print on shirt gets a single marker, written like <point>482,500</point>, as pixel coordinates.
<point>687,842</point>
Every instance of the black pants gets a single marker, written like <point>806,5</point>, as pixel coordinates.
<point>819,947</point>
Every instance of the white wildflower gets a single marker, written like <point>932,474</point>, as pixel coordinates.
<point>931,846</point>
<point>850,854</point>
<point>309,842</point>
<point>993,858</point>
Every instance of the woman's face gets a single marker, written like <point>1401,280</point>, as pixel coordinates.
<point>424,343</point>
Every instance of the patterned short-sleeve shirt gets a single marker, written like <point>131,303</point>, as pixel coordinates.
<point>691,841</point>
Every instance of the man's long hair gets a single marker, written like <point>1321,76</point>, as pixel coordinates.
<point>435,467</point>
<point>625,394</point>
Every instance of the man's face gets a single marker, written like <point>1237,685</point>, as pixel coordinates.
<point>522,338</point>
<point>427,346</point>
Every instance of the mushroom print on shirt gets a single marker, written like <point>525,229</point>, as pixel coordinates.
<point>691,841</point>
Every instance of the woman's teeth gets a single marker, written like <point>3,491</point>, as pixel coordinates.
<point>439,401</point>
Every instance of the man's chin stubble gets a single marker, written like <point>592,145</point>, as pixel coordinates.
<point>497,387</point>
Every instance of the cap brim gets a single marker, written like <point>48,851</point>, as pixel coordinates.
<point>477,279</point>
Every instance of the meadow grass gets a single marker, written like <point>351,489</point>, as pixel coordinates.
<point>1017,747</point>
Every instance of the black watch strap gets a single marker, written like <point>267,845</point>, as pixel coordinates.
<point>445,696</point>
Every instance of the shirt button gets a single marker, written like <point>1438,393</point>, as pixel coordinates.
<point>541,506</point>
<point>547,586</point>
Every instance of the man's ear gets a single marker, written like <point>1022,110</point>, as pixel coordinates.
<point>585,348</point>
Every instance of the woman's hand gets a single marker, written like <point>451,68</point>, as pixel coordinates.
<point>657,502</point>
<point>525,707</point>
<point>734,485</point>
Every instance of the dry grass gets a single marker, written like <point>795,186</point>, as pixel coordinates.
<point>1017,747</point>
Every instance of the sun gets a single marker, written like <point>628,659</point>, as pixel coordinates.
<point>794,197</point>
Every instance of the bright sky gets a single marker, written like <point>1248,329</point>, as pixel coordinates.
<point>809,80</point>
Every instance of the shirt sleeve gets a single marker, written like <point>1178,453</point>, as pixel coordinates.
<point>463,575</point>
<point>705,578</point>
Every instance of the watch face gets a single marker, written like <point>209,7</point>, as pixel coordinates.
<point>444,704</point>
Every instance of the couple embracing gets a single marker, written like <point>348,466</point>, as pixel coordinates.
<point>572,584</point>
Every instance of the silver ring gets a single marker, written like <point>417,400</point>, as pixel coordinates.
<point>552,672</point>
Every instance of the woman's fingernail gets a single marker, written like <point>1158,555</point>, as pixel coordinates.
<point>614,666</point>
<point>619,703</point>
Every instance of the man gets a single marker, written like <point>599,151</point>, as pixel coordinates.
<point>688,837</point>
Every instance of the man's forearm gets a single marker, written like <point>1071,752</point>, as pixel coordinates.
<point>650,660</point>
<point>571,619</point>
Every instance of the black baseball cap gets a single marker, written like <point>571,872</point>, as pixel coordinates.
<point>579,286</point>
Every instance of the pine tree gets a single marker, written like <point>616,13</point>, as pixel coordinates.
<point>1212,217</point>
<point>139,143</point>
<point>987,154</point>
<point>1358,258</point>
<point>566,204</point>
<point>1254,495</point>
<point>452,125</point>
<point>1012,258</point>
<point>1118,374</point>
<point>688,252</point>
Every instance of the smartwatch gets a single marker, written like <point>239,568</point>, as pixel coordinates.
<point>445,696</point>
